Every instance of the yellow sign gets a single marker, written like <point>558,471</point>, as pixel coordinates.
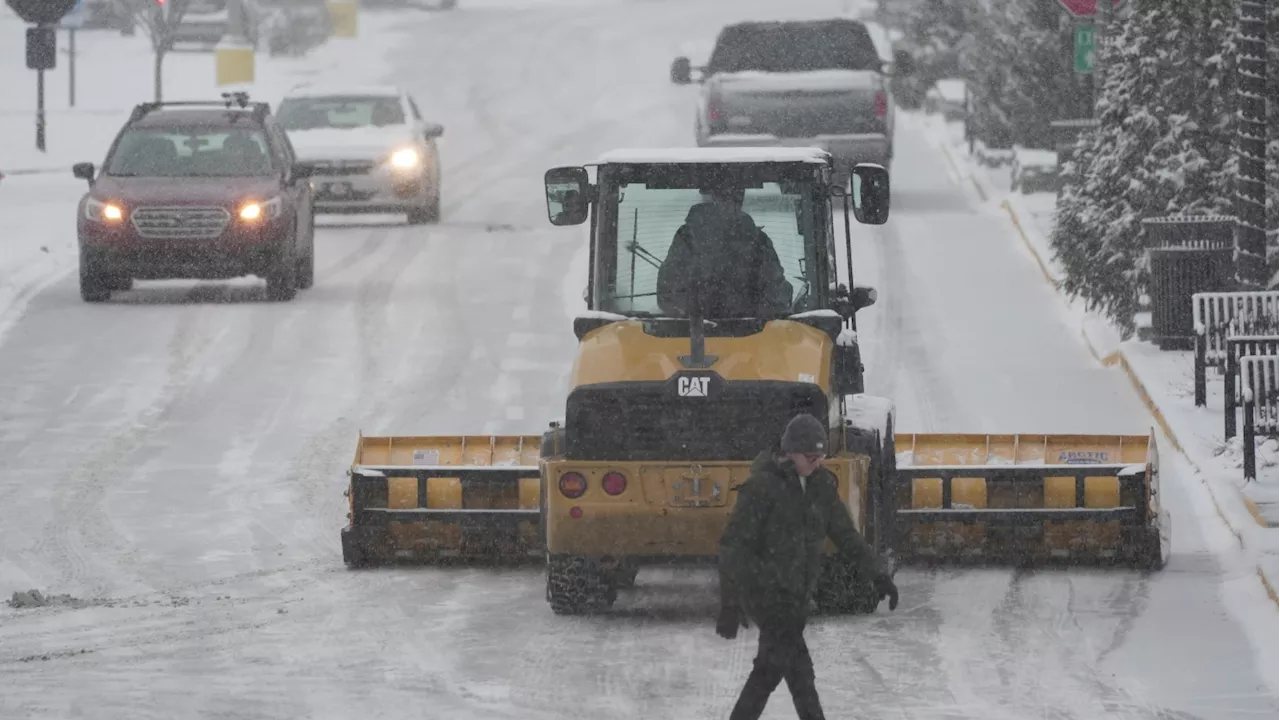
<point>234,65</point>
<point>344,15</point>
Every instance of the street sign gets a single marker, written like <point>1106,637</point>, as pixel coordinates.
<point>1086,8</point>
<point>41,12</point>
<point>1084,54</point>
<point>42,48</point>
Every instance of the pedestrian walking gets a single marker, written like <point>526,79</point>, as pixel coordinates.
<point>770,558</point>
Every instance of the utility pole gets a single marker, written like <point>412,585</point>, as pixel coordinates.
<point>1252,272</point>
<point>1101,31</point>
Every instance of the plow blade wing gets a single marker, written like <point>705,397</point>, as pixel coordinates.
<point>1079,499</point>
<point>445,497</point>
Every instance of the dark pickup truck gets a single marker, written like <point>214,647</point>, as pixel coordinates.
<point>801,83</point>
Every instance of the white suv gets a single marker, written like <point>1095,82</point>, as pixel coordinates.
<point>368,149</point>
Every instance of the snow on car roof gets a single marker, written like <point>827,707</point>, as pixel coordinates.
<point>1034,156</point>
<point>344,90</point>
<point>645,156</point>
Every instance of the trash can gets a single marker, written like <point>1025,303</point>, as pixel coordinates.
<point>1187,254</point>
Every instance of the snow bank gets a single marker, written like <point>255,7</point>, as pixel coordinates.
<point>1162,379</point>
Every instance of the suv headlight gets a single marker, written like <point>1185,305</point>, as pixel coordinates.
<point>260,210</point>
<point>405,159</point>
<point>104,212</point>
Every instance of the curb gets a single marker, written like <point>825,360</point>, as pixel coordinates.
<point>1118,358</point>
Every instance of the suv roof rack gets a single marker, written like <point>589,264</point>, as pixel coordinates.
<point>260,110</point>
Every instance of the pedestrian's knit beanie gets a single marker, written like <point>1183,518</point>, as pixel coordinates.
<point>804,435</point>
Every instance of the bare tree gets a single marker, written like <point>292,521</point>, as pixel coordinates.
<point>160,19</point>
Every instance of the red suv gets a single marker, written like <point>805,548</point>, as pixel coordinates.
<point>206,191</point>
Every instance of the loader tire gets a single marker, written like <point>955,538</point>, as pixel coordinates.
<point>575,586</point>
<point>624,578</point>
<point>843,591</point>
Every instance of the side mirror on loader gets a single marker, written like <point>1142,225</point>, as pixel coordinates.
<point>870,192</point>
<point>863,296</point>
<point>568,195</point>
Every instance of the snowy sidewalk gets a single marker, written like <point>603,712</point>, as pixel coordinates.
<point>1163,379</point>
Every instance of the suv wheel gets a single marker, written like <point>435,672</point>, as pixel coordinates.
<point>282,279</point>
<point>307,263</point>
<point>428,213</point>
<point>95,286</point>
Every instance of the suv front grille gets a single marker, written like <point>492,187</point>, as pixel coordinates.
<point>180,223</point>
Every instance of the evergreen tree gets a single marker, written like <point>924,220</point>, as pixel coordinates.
<point>1274,140</point>
<point>1019,61</point>
<point>936,32</point>
<point>1161,148</point>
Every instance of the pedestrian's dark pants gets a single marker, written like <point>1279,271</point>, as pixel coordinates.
<point>783,655</point>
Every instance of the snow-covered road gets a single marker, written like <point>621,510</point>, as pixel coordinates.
<point>173,459</point>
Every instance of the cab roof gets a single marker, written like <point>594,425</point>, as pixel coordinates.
<point>712,155</point>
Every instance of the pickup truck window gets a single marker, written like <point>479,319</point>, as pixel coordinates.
<point>798,47</point>
<point>648,218</point>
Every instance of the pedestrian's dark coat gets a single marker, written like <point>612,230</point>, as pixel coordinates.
<point>771,550</point>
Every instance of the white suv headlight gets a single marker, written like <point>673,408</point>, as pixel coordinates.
<point>405,159</point>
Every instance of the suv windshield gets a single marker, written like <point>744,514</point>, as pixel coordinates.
<point>798,47</point>
<point>191,152</point>
<point>339,112</point>
<point>747,246</point>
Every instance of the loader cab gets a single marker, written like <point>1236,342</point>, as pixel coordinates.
<point>643,203</point>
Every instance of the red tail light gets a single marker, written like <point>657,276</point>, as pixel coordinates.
<point>573,485</point>
<point>614,483</point>
<point>882,103</point>
<point>714,111</point>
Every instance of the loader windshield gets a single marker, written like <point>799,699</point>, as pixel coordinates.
<point>748,241</point>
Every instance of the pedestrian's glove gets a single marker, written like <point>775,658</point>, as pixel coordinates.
<point>728,622</point>
<point>886,588</point>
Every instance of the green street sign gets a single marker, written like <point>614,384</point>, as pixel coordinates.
<point>1084,49</point>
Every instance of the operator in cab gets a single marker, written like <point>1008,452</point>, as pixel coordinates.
<point>732,262</point>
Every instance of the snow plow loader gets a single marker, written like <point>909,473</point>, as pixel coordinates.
<point>681,380</point>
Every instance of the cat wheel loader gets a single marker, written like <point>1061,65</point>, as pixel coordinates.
<point>675,390</point>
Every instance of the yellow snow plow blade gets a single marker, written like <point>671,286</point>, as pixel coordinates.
<point>1083,499</point>
<point>444,497</point>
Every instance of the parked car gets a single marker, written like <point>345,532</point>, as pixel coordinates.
<point>1033,171</point>
<point>948,97</point>
<point>196,190</point>
<point>368,149</point>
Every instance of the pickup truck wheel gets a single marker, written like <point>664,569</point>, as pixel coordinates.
<point>282,279</point>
